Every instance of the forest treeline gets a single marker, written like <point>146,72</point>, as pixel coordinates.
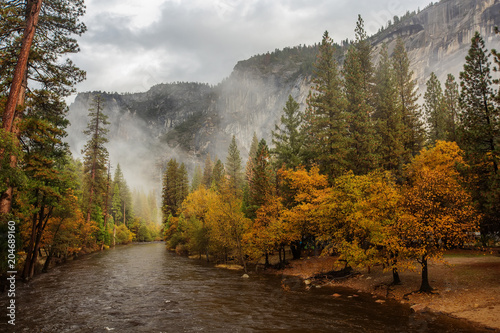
<point>61,206</point>
<point>365,172</point>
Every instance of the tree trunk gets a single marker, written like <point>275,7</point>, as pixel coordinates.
<point>425,286</point>
<point>267,260</point>
<point>32,14</point>
<point>31,246</point>
<point>242,259</point>
<point>295,248</point>
<point>395,276</point>
<point>114,234</point>
<point>46,265</point>
<point>7,197</point>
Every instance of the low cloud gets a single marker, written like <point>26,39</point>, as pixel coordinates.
<point>131,45</point>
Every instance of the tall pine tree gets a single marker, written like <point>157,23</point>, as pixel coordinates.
<point>288,139</point>
<point>325,127</point>
<point>413,131</point>
<point>358,76</point>
<point>435,110</point>
<point>95,159</point>
<point>452,106</point>
<point>388,120</point>
<point>480,130</point>
<point>234,168</point>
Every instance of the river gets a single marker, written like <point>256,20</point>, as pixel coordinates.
<point>144,288</point>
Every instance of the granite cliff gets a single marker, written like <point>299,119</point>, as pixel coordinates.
<point>189,120</point>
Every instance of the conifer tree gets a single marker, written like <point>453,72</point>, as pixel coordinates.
<point>452,107</point>
<point>480,130</point>
<point>44,166</point>
<point>233,167</point>
<point>169,189</point>
<point>116,205</point>
<point>251,157</point>
<point>358,77</point>
<point>207,172</point>
<point>407,99</point>
<point>217,175</point>
<point>260,183</point>
<point>175,188</point>
<point>95,157</point>
<point>387,115</point>
<point>197,177</point>
<point>287,138</point>
<point>435,110</point>
<point>325,127</point>
<point>182,186</point>
<point>121,199</point>
<point>34,35</point>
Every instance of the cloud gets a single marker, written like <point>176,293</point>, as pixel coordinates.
<point>133,44</point>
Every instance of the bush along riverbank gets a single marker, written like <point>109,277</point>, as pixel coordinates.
<point>465,284</point>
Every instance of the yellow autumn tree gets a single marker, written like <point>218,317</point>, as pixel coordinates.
<point>268,232</point>
<point>227,223</point>
<point>66,230</point>
<point>304,195</point>
<point>358,217</point>
<point>438,212</point>
<point>195,208</point>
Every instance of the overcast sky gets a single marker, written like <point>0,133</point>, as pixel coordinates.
<point>131,45</point>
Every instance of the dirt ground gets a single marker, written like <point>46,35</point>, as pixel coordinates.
<point>466,283</point>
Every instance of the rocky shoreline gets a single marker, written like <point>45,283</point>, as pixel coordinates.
<point>465,286</point>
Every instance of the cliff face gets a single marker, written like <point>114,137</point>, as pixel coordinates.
<point>438,38</point>
<point>189,120</point>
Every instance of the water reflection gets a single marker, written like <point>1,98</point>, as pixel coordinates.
<point>143,288</point>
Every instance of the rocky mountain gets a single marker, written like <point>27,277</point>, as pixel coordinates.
<point>189,120</point>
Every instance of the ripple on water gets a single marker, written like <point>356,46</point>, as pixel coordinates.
<point>143,288</point>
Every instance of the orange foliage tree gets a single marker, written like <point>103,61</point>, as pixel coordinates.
<point>438,212</point>
<point>227,222</point>
<point>304,192</point>
<point>358,217</point>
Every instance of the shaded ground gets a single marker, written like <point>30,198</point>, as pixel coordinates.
<point>467,284</point>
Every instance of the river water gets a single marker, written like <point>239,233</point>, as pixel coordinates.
<point>144,288</point>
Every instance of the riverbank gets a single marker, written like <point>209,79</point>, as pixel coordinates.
<point>466,283</point>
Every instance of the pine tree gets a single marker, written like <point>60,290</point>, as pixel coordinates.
<point>182,186</point>
<point>44,165</point>
<point>169,189</point>
<point>407,99</point>
<point>197,177</point>
<point>233,167</point>
<point>358,77</point>
<point>288,139</point>
<point>95,157</point>
<point>123,212</point>
<point>480,130</point>
<point>175,188</point>
<point>325,127</point>
<point>388,116</point>
<point>116,205</point>
<point>251,157</point>
<point>452,107</point>
<point>217,175</point>
<point>480,118</point>
<point>435,110</point>
<point>34,35</point>
<point>207,172</point>
<point>260,183</point>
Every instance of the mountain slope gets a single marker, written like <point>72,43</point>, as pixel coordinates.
<point>189,120</point>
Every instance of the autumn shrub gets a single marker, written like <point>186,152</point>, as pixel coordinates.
<point>123,235</point>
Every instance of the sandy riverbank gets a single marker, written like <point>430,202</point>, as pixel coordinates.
<point>467,284</point>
